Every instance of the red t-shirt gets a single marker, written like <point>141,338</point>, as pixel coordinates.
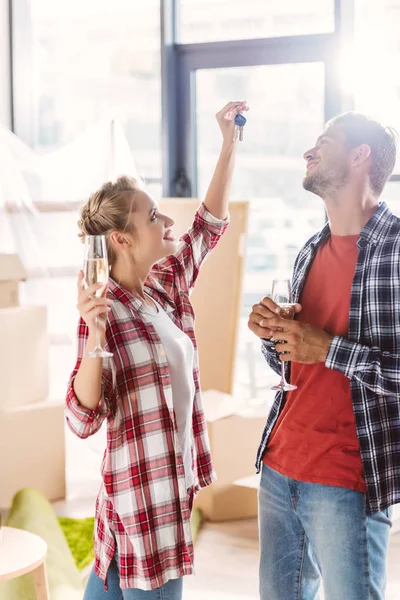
<point>315,438</point>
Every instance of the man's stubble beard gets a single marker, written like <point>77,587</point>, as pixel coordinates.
<point>326,183</point>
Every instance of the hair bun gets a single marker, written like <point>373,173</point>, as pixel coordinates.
<point>110,209</point>
<point>87,222</point>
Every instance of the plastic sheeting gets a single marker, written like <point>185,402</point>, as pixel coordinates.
<point>39,199</point>
<point>33,186</point>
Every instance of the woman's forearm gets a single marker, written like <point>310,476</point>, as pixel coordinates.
<point>87,382</point>
<point>217,197</point>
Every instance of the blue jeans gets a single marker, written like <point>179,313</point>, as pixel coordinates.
<point>172,590</point>
<point>310,531</point>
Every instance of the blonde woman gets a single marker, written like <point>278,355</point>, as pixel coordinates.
<point>157,455</point>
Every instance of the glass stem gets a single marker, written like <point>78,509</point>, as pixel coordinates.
<point>283,372</point>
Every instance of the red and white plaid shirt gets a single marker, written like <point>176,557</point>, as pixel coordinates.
<point>143,508</point>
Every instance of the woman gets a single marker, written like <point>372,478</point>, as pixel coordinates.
<point>157,456</point>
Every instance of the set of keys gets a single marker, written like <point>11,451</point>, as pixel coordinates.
<point>240,122</point>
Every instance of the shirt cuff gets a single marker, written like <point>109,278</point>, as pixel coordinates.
<point>83,414</point>
<point>268,344</point>
<point>212,224</point>
<point>345,356</point>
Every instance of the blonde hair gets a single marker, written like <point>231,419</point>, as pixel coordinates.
<point>109,209</point>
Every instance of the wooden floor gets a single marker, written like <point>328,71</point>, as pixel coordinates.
<point>226,558</point>
<point>226,553</point>
<point>227,564</point>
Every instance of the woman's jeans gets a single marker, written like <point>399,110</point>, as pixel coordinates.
<point>172,590</point>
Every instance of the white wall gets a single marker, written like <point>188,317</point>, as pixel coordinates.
<point>5,75</point>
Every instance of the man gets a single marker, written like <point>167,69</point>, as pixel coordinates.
<point>330,452</point>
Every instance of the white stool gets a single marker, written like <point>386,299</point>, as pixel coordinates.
<point>23,552</point>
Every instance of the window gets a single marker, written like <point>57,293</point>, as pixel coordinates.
<point>286,117</point>
<point>218,20</point>
<point>95,60</point>
<point>391,194</point>
<point>373,74</point>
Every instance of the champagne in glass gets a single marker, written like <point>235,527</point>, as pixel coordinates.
<point>282,295</point>
<point>287,310</point>
<point>95,269</point>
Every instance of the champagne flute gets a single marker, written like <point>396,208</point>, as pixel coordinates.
<point>95,269</point>
<point>282,295</point>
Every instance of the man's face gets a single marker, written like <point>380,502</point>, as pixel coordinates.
<point>328,163</point>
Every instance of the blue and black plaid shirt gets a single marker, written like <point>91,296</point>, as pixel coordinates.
<point>369,356</point>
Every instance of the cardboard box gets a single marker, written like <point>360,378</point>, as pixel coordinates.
<point>217,295</point>
<point>227,502</point>
<point>24,356</point>
<point>32,450</point>
<point>235,433</point>
<point>12,271</point>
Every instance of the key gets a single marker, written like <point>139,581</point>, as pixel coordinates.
<point>240,122</point>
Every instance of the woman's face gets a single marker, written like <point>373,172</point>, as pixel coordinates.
<point>153,238</point>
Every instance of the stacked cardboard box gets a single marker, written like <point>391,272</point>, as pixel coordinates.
<point>31,427</point>
<point>234,432</point>
<point>11,273</point>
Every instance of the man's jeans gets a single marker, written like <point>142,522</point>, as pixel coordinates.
<point>309,531</point>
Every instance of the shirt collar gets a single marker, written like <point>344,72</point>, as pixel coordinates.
<point>377,225</point>
<point>372,231</point>
<point>153,289</point>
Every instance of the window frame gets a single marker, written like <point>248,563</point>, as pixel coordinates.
<point>180,62</point>
<point>178,65</point>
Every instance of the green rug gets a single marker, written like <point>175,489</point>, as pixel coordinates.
<point>196,522</point>
<point>79,536</point>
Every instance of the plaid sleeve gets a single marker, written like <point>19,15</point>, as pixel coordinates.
<point>271,355</point>
<point>376,370</point>
<point>81,420</point>
<point>193,248</point>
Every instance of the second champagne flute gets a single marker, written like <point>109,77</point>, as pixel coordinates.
<point>282,295</point>
<point>95,269</point>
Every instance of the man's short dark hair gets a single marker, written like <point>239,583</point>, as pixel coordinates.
<point>360,129</point>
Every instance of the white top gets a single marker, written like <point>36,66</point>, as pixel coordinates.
<point>20,552</point>
<point>179,351</point>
